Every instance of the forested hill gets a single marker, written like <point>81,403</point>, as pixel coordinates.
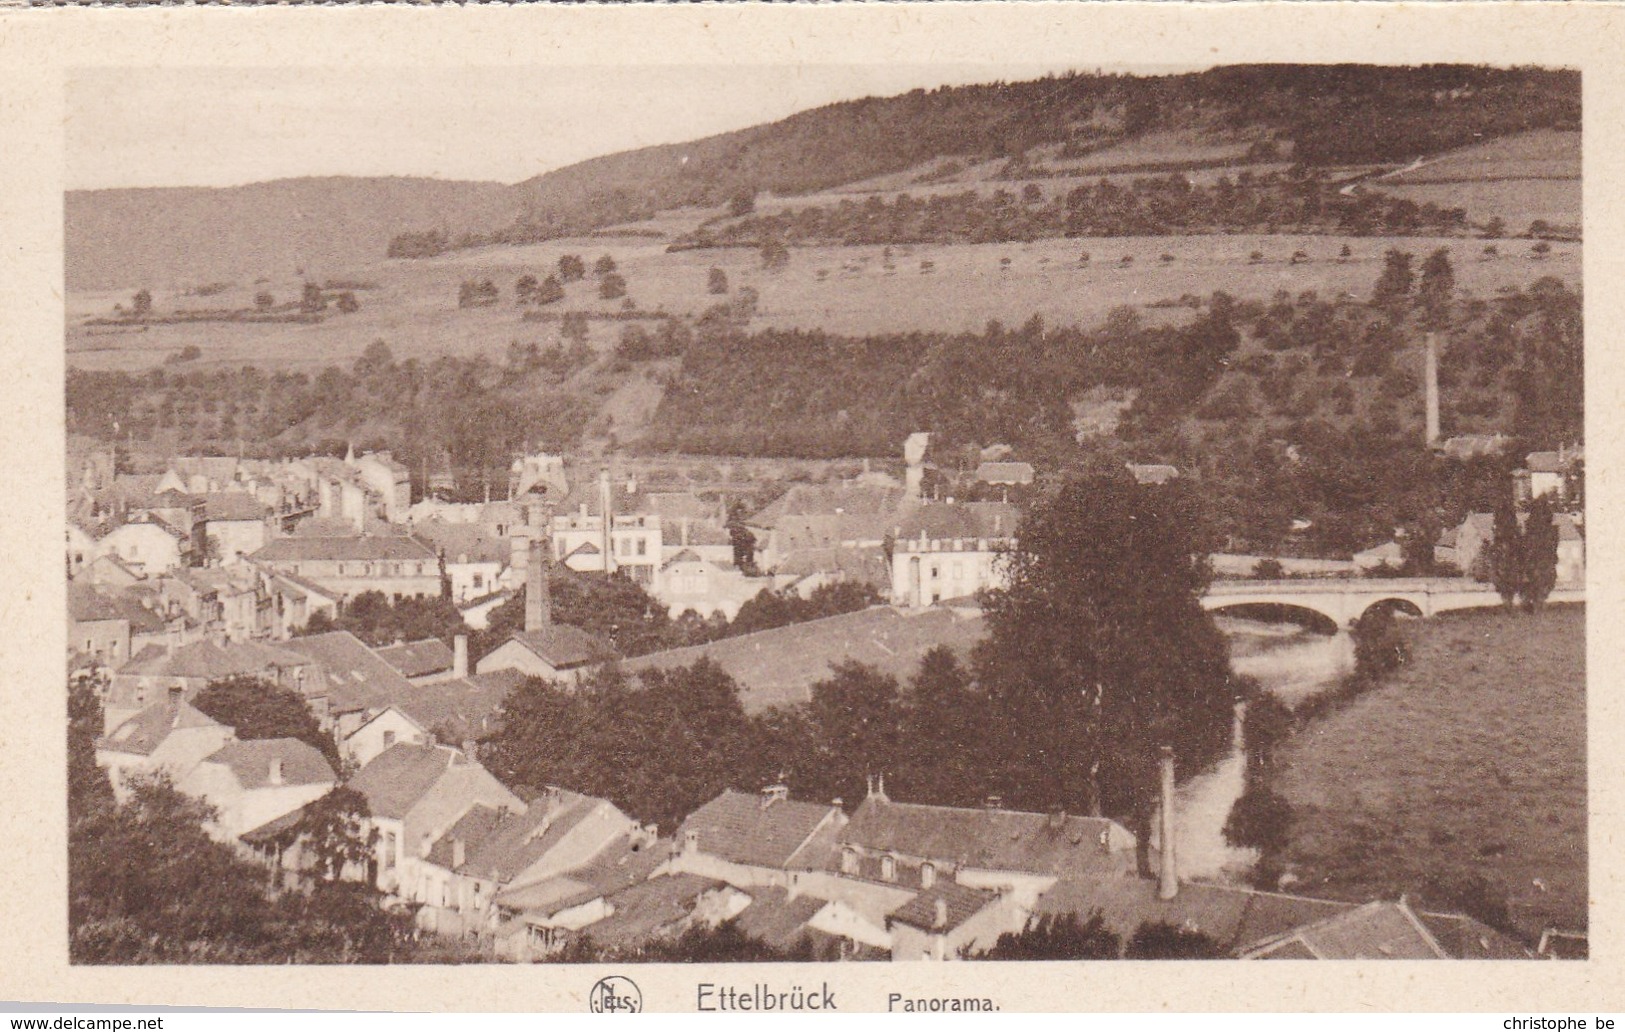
<point>1319,115</point>
<point>1329,115</point>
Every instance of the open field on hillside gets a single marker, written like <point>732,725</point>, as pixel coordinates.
<point>1469,762</point>
<point>841,289</point>
<point>1519,179</point>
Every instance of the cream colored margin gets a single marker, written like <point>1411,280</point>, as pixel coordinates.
<point>37,46</point>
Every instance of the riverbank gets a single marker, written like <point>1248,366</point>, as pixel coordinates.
<point>1460,781</point>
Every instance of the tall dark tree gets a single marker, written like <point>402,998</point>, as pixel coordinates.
<point>1437,289</point>
<point>336,831</point>
<point>1395,282</point>
<point>1539,553</point>
<point>743,541</point>
<point>571,268</point>
<point>260,709</point>
<point>1505,550</point>
<point>716,281</point>
<point>1099,650</point>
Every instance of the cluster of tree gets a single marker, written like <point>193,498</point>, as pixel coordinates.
<point>1070,937</point>
<point>1350,114</point>
<point>469,415</point>
<point>1269,202</point>
<point>148,885</point>
<point>528,291</point>
<point>257,709</point>
<point>772,609</point>
<point>1523,557</point>
<point>379,620</point>
<point>477,294</point>
<point>1097,654</point>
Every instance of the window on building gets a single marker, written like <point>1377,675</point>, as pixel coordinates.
<point>849,861</point>
<point>936,571</point>
<point>928,875</point>
<point>479,580</point>
<point>341,570</point>
<point>888,868</point>
<point>420,569</point>
<point>643,546</point>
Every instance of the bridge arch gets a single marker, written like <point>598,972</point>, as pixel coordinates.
<point>1308,615</point>
<point>1393,604</point>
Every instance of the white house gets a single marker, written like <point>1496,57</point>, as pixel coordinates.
<point>250,783</point>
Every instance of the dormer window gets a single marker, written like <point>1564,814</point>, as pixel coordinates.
<point>849,861</point>
<point>888,868</point>
<point>928,875</point>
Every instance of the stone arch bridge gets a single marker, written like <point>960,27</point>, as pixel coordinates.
<point>1343,601</point>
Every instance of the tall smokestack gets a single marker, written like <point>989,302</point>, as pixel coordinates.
<point>538,596</point>
<point>606,508</point>
<point>1432,376</point>
<point>1168,870</point>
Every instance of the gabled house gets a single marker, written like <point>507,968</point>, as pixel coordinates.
<point>689,582</point>
<point>250,783</point>
<point>157,670</point>
<point>558,833</point>
<point>169,737</point>
<point>949,920</point>
<point>1378,930</point>
<point>557,652</point>
<point>764,838</point>
<point>425,661</point>
<point>414,793</point>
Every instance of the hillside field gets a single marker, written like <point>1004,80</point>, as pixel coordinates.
<point>839,289</point>
<point>1470,761</point>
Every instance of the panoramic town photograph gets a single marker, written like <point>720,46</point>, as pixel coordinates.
<point>825,514</point>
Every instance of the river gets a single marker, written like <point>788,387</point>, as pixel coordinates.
<point>1289,661</point>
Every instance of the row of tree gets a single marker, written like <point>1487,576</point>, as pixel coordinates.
<point>1271,202</point>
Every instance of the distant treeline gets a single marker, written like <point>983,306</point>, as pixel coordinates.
<point>1268,203</point>
<point>1332,115</point>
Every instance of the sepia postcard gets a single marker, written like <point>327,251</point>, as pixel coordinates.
<point>813,508</point>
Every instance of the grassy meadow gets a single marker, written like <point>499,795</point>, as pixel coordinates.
<point>840,289</point>
<point>1470,761</point>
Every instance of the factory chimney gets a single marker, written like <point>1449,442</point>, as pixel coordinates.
<point>538,595</point>
<point>606,508</point>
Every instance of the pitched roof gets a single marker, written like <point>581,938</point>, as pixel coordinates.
<point>1230,915</point>
<point>564,647</point>
<point>999,840</point>
<point>753,829</point>
<point>250,761</point>
<point>456,709</point>
<point>844,499</point>
<point>1548,462</point>
<point>204,660</point>
<point>863,564</point>
<point>949,520</point>
<point>395,779</point>
<point>959,904</point>
<point>778,667</point>
<point>418,658</point>
<point>643,911</point>
<point>145,731</point>
<point>356,678</point>
<point>473,827</point>
<point>360,548</point>
<point>232,505</point>
<point>524,839</point>
<point>775,918</point>
<point>1379,930</point>
<point>87,605</point>
<point>461,542</point>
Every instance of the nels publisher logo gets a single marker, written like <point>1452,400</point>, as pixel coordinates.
<point>615,995</point>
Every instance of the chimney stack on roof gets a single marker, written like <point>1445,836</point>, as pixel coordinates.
<point>774,794</point>
<point>538,593</point>
<point>1168,869</point>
